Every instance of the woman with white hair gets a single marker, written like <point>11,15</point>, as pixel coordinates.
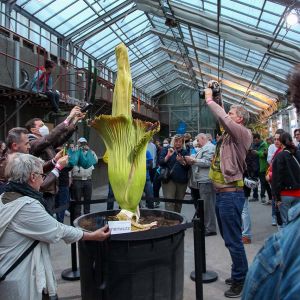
<point>26,226</point>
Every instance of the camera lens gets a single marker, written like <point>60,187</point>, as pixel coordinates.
<point>201,94</point>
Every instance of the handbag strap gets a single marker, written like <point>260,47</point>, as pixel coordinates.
<point>294,158</point>
<point>296,161</point>
<point>20,259</point>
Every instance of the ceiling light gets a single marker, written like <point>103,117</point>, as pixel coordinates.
<point>292,19</point>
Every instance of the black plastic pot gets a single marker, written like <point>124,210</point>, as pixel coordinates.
<point>145,265</point>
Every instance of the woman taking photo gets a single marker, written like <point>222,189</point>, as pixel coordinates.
<point>286,177</point>
<point>26,227</point>
<point>173,159</point>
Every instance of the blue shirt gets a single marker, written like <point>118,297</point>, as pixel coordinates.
<point>275,271</point>
<point>149,160</point>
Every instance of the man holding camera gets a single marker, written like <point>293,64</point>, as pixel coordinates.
<point>226,173</point>
<point>82,178</point>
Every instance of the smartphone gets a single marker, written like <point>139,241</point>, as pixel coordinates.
<point>64,151</point>
<point>86,107</point>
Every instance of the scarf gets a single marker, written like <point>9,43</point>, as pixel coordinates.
<point>25,190</point>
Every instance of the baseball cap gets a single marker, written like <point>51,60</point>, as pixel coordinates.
<point>82,140</point>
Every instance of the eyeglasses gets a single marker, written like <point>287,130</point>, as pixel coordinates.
<point>42,175</point>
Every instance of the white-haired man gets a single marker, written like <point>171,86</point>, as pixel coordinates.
<point>201,185</point>
<point>226,173</point>
<point>25,225</point>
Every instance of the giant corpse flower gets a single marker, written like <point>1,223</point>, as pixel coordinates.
<point>126,142</point>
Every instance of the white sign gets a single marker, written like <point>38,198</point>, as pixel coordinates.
<point>118,227</point>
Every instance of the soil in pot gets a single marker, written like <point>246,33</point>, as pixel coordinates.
<point>93,223</point>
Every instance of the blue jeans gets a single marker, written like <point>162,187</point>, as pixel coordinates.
<point>273,208</point>
<point>61,199</point>
<point>246,220</point>
<point>148,190</point>
<point>286,203</point>
<point>229,208</point>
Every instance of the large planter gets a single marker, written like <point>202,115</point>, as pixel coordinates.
<point>146,265</point>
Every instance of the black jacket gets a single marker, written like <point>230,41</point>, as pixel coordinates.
<point>286,173</point>
<point>179,172</point>
<point>252,163</point>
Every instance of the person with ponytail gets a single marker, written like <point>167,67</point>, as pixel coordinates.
<point>286,177</point>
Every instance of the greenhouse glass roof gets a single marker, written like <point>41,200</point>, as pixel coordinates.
<point>245,44</point>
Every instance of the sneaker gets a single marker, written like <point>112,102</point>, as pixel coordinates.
<point>235,290</point>
<point>267,202</point>
<point>246,240</point>
<point>253,199</point>
<point>156,204</point>
<point>262,199</point>
<point>228,281</point>
<point>210,233</point>
<point>67,213</point>
<point>274,221</point>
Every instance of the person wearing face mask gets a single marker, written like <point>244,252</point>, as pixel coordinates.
<point>166,143</point>
<point>43,144</point>
<point>18,142</point>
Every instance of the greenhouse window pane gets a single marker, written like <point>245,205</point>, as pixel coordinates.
<point>210,7</point>
<point>272,6</point>
<point>238,16</point>
<point>33,6</point>
<point>266,26</point>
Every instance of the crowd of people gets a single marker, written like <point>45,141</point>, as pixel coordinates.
<point>225,173</point>
<point>39,169</point>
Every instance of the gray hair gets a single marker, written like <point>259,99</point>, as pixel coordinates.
<point>20,166</point>
<point>202,135</point>
<point>241,112</point>
<point>14,136</point>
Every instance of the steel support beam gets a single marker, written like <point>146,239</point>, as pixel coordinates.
<point>104,26</point>
<point>215,53</point>
<point>98,20</point>
<point>147,71</point>
<point>131,42</point>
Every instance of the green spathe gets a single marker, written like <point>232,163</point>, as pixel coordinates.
<point>126,140</point>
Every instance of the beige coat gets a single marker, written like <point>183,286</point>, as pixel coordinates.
<point>234,147</point>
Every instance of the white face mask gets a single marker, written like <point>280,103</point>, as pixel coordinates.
<point>165,145</point>
<point>44,130</point>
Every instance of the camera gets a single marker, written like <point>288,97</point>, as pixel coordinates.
<point>86,107</point>
<point>216,90</point>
